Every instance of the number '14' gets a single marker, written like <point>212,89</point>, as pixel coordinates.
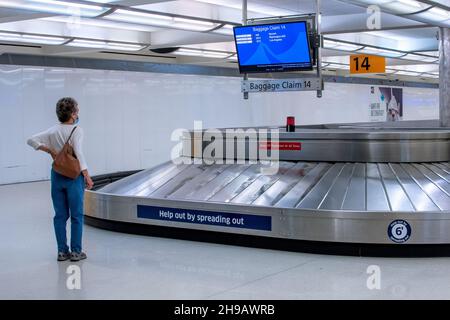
<point>365,64</point>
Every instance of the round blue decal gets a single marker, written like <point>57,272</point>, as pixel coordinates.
<point>399,231</point>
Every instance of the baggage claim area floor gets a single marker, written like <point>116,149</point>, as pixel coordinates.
<point>238,150</point>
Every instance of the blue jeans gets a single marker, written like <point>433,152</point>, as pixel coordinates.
<point>67,197</point>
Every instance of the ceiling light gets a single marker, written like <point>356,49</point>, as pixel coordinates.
<point>252,7</point>
<point>105,45</point>
<point>414,9</point>
<point>124,46</point>
<point>336,59</point>
<point>58,7</point>
<point>66,4</point>
<point>420,68</point>
<point>416,57</point>
<point>431,53</point>
<point>199,22</point>
<point>407,73</point>
<point>192,26</point>
<point>215,55</point>
<point>102,1</point>
<point>397,6</point>
<point>411,3</point>
<point>444,14</point>
<point>100,23</point>
<point>139,18</point>
<point>336,66</point>
<point>430,75</point>
<point>227,29</point>
<point>405,6</point>
<point>151,19</point>
<point>377,2</point>
<point>16,37</point>
<point>359,48</point>
<point>202,53</point>
<point>382,52</point>
<point>434,14</point>
<point>188,52</point>
<point>341,46</point>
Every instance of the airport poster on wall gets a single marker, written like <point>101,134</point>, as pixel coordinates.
<point>386,104</point>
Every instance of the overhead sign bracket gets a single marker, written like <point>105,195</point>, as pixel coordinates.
<point>300,84</point>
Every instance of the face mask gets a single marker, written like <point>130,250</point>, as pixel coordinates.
<point>76,121</point>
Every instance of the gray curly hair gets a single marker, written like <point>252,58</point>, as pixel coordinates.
<point>65,107</point>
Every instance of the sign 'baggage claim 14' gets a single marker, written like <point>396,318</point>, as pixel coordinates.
<point>362,63</point>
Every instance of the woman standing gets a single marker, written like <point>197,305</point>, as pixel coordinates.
<point>67,193</point>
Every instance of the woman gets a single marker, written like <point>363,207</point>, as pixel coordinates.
<point>67,193</point>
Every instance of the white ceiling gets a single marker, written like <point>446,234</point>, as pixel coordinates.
<point>341,20</point>
<point>330,7</point>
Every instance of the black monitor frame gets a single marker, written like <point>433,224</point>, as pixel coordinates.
<point>259,69</point>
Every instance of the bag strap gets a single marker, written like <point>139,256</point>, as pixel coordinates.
<point>71,135</point>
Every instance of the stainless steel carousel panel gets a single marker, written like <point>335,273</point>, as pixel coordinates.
<point>352,199</point>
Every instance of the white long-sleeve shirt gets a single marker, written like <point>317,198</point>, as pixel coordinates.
<point>56,136</point>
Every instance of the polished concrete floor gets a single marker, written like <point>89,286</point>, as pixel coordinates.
<point>121,266</point>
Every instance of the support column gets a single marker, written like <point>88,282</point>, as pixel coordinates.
<point>244,23</point>
<point>444,77</point>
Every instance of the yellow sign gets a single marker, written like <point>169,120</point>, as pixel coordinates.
<point>362,63</point>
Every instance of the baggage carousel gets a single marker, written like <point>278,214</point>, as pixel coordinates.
<point>354,189</point>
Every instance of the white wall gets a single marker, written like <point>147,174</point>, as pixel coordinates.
<point>128,117</point>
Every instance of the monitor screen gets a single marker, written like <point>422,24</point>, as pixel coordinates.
<point>277,47</point>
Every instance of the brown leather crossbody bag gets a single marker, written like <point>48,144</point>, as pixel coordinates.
<point>66,162</point>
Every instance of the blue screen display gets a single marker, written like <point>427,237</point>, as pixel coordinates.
<point>273,47</point>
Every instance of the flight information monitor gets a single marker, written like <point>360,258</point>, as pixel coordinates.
<point>276,47</point>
